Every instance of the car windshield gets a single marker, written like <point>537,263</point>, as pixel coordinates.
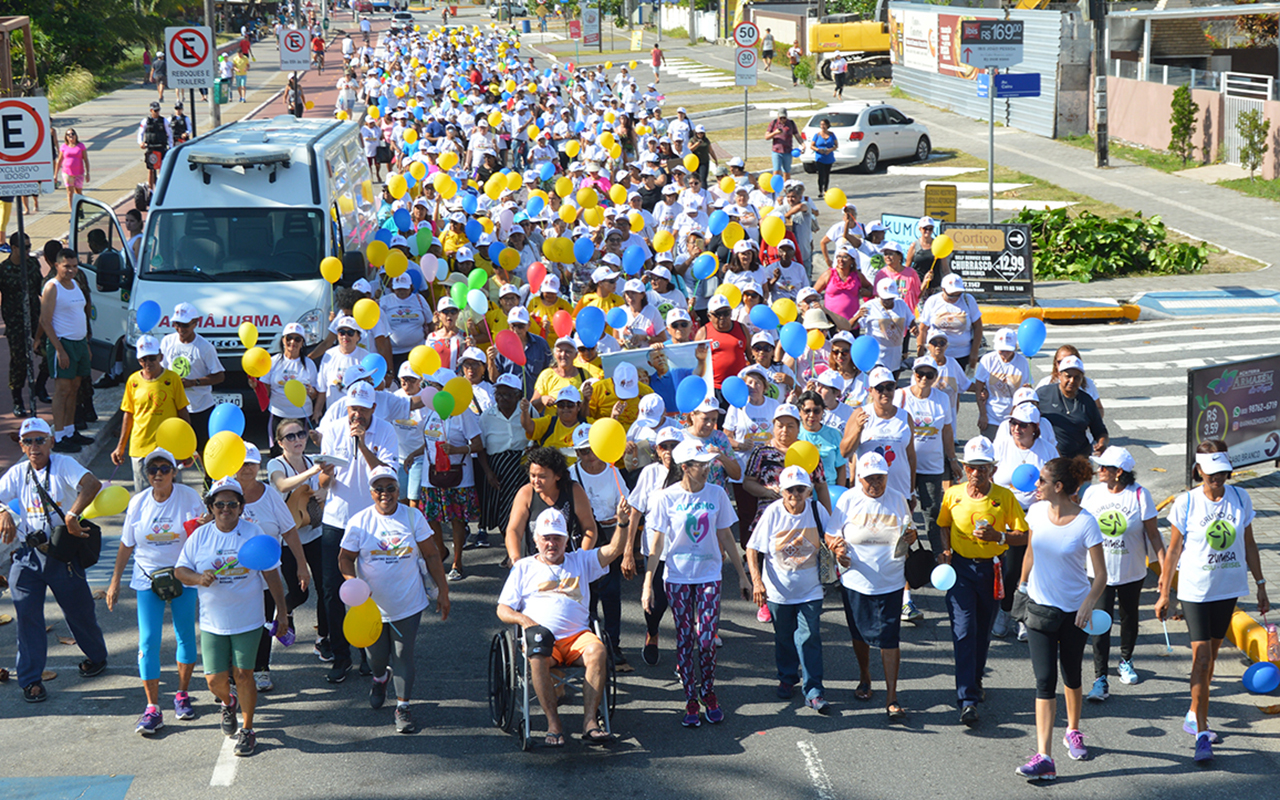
<point>242,244</point>
<point>838,119</point>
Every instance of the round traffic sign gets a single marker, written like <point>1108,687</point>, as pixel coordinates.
<point>746,58</point>
<point>746,34</point>
<point>1015,239</point>
<point>23,129</point>
<point>294,42</point>
<point>188,48</point>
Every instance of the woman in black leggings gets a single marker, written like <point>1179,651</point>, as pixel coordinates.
<point>653,478</point>
<point>1060,600</point>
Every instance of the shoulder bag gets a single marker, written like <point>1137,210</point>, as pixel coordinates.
<point>165,584</point>
<point>919,566</point>
<point>63,546</point>
<point>828,570</point>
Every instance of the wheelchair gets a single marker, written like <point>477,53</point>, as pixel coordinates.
<point>511,693</point>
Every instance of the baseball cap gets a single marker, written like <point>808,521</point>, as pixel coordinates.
<point>716,303</point>
<point>793,476</point>
<point>1213,463</point>
<point>754,369</point>
<point>569,393</point>
<point>887,288</point>
<point>805,293</point>
<point>661,272</point>
<point>361,395</point>
<point>518,315</point>
<point>407,371</point>
<point>890,247</point>
<point>786,410</point>
<point>832,379</point>
<point>35,425</point>
<point>147,346</point>
<point>382,472</point>
<point>510,381</point>
<point>464,254</point>
<point>708,406</point>
<point>567,341</point>
<point>1007,340</point>
<point>354,374</point>
<point>473,354</point>
<point>550,523</point>
<point>442,376</point>
<point>872,464</point>
<point>458,217</point>
<point>551,284</point>
<point>1026,413</point>
<point>582,437</point>
<point>1025,394</point>
<point>1070,362</point>
<point>604,273</point>
<point>508,289</point>
<point>251,453</point>
<point>924,362</point>
<point>678,315</point>
<point>626,381</point>
<point>669,434</point>
<point>978,450</point>
<point>762,337</point>
<point>347,321</point>
<point>652,409</point>
<point>402,281</point>
<point>446,304</point>
<point>227,484</point>
<point>293,329</point>
<point>362,286</point>
<point>952,284</point>
<point>879,376</point>
<point>160,453</point>
<point>634,285</point>
<point>926,222</point>
<point>845,337</point>
<point>692,450</point>
<point>184,313</point>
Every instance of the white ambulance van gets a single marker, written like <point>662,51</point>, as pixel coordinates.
<point>238,224</point>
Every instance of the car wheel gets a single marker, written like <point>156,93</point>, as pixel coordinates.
<point>810,168</point>
<point>923,149</point>
<point>870,160</point>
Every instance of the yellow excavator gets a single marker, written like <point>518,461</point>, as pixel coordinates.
<point>864,43</point>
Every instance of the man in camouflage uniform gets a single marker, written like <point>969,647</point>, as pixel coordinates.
<point>18,329</point>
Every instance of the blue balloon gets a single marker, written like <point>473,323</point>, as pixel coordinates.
<point>735,390</point>
<point>402,219</point>
<point>1262,677</point>
<point>717,222</point>
<point>415,275</point>
<point>226,417</point>
<point>617,317</point>
<point>148,315</point>
<point>261,553</point>
<point>778,184</point>
<point>579,126</point>
<point>1100,622</point>
<point>590,325</point>
<point>546,171</point>
<point>865,353</point>
<point>495,250</point>
<point>505,170</point>
<point>795,153</point>
<point>633,259</point>
<point>469,203</point>
<point>1025,477</point>
<point>15,507</point>
<point>704,266</point>
<point>795,339</point>
<point>377,365</point>
<point>383,235</point>
<point>836,491</point>
<point>690,393</point>
<point>536,204</point>
<point>763,317</point>
<point>474,230</point>
<point>418,112</point>
<point>583,250</point>
<point>1031,335</point>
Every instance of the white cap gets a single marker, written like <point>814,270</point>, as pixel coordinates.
<point>1213,463</point>
<point>660,271</point>
<point>1006,340</point>
<point>550,523</point>
<point>582,437</point>
<point>227,484</point>
<point>464,254</point>
<point>551,284</point>
<point>793,476</point>
<point>473,354</point>
<point>567,341</point>
<point>1025,394</point>
<point>886,288</point>
<point>35,425</point>
<point>508,288</point>
<point>692,450</point>
<point>786,410</point>
<point>872,464</point>
<point>184,313</point>
<point>293,329</point>
<point>604,273</point>
<point>708,406</point>
<point>1070,362</point>
<point>891,247</point>
<point>508,380</point>
<point>806,293</point>
<point>744,246</point>
<point>952,284</point>
<point>1027,413</point>
<point>407,371</point>
<point>762,337</point>
<point>626,381</point>
<point>442,376</point>
<point>1120,458</point>
<point>519,314</point>
<point>978,450</point>
<point>251,454</point>
<point>362,395</point>
<point>147,346</point>
<point>926,222</point>
<point>570,393</point>
<point>383,471</point>
<point>832,379</point>
<point>924,362</point>
<point>165,455</point>
<point>756,370</point>
<point>716,303</point>
<point>348,321</point>
<point>362,286</point>
<point>669,434</point>
<point>878,376</point>
<point>752,285</point>
<point>402,281</point>
<point>652,409</point>
<point>446,304</point>
<point>844,336</point>
<point>634,285</point>
<point>678,314</point>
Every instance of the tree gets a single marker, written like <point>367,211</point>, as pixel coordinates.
<point>1254,130</point>
<point>1260,30</point>
<point>1182,124</point>
<point>807,74</point>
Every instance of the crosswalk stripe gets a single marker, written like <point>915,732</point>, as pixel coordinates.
<point>1174,347</point>
<point>1143,402</point>
<point>1136,382</point>
<point>1244,330</point>
<point>1115,366</point>
<point>1169,450</point>
<point>1170,423</point>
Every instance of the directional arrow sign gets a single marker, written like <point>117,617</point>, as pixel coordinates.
<point>985,56</point>
<point>293,51</point>
<point>190,50</point>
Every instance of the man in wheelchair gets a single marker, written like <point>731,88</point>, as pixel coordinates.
<point>549,596</point>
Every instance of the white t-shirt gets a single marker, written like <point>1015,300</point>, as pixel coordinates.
<point>61,479</point>
<point>388,560</point>
<point>1002,379</point>
<point>888,326</point>
<point>1121,517</point>
<point>955,320</point>
<point>405,318</point>
<point>1060,553</point>
<point>929,415</point>
<point>155,530</point>
<point>688,523</point>
<point>647,487</point>
<point>307,533</point>
<point>194,359</point>
<point>269,513</point>
<point>329,376</point>
<point>1004,436</point>
<point>871,527</point>
<point>752,425</point>
<point>457,431</point>
<point>951,380</point>
<point>1212,566</point>
<point>233,603</point>
<point>602,490</point>
<point>282,371</point>
<point>1009,457</point>
<point>557,597</point>
<point>408,429</point>
<point>349,489</point>
<point>790,544</point>
<point>889,438</point>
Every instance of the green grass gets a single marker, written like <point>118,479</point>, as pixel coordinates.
<point>1155,159</point>
<point>1267,190</point>
<point>77,85</point>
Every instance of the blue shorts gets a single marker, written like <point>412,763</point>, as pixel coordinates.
<point>782,162</point>
<point>242,81</point>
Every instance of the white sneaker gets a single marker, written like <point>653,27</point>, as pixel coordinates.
<point>263,681</point>
<point>1128,674</point>
<point>1022,631</point>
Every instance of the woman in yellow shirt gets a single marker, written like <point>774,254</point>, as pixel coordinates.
<point>563,372</point>
<point>152,395</point>
<point>455,235</point>
<point>555,430</point>
<point>604,281</point>
<point>978,521</point>
<point>546,303</point>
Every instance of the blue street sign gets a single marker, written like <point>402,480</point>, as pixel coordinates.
<point>1011,85</point>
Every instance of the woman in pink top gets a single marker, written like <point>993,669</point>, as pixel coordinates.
<point>843,285</point>
<point>73,165</point>
<point>905,278</point>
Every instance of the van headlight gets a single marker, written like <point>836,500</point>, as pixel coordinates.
<point>312,324</point>
<point>132,333</point>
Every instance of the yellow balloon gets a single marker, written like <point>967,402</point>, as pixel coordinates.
<point>732,234</point>
<point>424,360</point>
<point>765,181</point>
<point>509,258</point>
<point>608,439</point>
<point>486,223</point>
<point>593,216</point>
<point>397,262</point>
<point>731,293</point>
<point>343,115</point>
<point>816,340</point>
<point>606,140</point>
<point>615,152</point>
<point>410,136</point>
<point>445,186</point>
<point>533,131</point>
<point>495,186</point>
<point>510,85</point>
<point>362,625</point>
<point>366,191</point>
<point>609,117</point>
<point>618,194</point>
<point>786,310</point>
<point>568,213</point>
<point>802,454</point>
<point>587,197</point>
<point>418,170</point>
<point>462,392</point>
<point>515,182</point>
<point>691,162</point>
<point>727,184</point>
<point>608,65</point>
<point>110,501</point>
<point>573,148</point>
<point>177,436</point>
<point>495,118</point>
<point>835,198</point>
<point>563,186</point>
<point>447,160</point>
<point>663,241</point>
<point>632,65</point>
<point>942,246</point>
<point>248,334</point>
<point>772,230</point>
<point>295,392</point>
<point>397,185</point>
<point>637,221</point>
<point>399,91</point>
<point>223,455</point>
<point>373,112</point>
<point>549,247</point>
<point>376,252</point>
<point>366,313</point>
<point>256,362</point>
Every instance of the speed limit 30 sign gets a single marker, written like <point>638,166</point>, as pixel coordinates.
<point>744,67</point>
<point>294,55</point>
<point>25,153</point>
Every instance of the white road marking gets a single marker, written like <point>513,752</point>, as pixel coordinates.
<point>224,771</point>
<point>1111,335</point>
<point>1172,423</point>
<point>1144,402</point>
<point>817,772</point>
<point>1133,383</point>
<point>1169,450</point>
<point>1175,347</point>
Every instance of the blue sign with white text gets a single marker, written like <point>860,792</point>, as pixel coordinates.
<point>1011,85</point>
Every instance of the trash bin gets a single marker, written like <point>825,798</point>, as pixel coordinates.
<point>524,27</point>
<point>222,91</point>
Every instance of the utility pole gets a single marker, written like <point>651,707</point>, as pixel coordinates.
<point>215,113</point>
<point>1098,16</point>
<point>693,24</point>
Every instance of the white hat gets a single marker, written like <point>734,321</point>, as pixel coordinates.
<point>362,395</point>
<point>518,315</point>
<point>347,321</point>
<point>442,376</point>
<point>887,288</point>
<point>1027,413</point>
<point>844,336</point>
<point>510,381</point>
<point>407,371</point>
<point>891,247</point>
<point>1121,459</point>
<point>793,476</point>
<point>604,273</point>
<point>752,285</point>
<point>184,313</point>
<point>744,246</point>
<point>634,285</point>
<point>293,329</point>
<point>383,471</point>
<point>716,303</point>
<point>1070,362</point>
<point>786,410</point>
<point>660,271</point>
<point>762,337</point>
<point>569,393</point>
<point>35,425</point>
<point>708,406</point>
<point>626,381</point>
<point>463,254</point>
<point>165,455</point>
<point>926,221</point>
<point>737,162</point>
<point>147,346</point>
<point>692,450</point>
<point>806,293</point>
<point>446,304</point>
<point>669,434</point>
<point>551,284</point>
<point>652,409</point>
<point>879,376</point>
<point>832,379</point>
<point>458,217</point>
<point>924,362</point>
<point>582,437</point>
<point>567,341</point>
<point>952,284</point>
<point>978,450</point>
<point>550,523</point>
<point>402,281</point>
<point>1213,463</point>
<point>227,484</point>
<point>678,314</point>
<point>508,289</point>
<point>252,454</point>
<point>362,286</point>
<point>1025,394</point>
<point>1007,340</point>
<point>872,464</point>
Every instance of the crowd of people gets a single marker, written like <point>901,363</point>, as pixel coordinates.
<point>579,336</point>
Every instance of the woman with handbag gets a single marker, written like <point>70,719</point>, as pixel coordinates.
<point>156,525</point>
<point>787,539</point>
<point>297,478</point>
<point>1060,598</point>
<point>766,462</point>
<point>448,488</point>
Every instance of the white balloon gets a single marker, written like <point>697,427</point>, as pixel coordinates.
<point>428,264</point>
<point>477,301</point>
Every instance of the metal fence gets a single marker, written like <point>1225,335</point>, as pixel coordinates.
<point>1167,75</point>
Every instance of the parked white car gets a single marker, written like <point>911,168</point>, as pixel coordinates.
<point>868,133</point>
<point>517,9</point>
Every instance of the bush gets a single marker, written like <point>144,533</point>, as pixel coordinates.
<point>1182,124</point>
<point>1089,247</point>
<point>71,88</point>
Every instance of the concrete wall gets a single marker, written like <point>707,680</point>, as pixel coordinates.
<point>1271,164</point>
<point>676,17</point>
<point>1139,113</point>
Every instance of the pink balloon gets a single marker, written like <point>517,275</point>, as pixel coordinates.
<point>353,592</point>
<point>428,264</point>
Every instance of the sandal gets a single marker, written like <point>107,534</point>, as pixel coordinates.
<point>863,692</point>
<point>553,740</point>
<point>895,711</point>
<point>597,736</point>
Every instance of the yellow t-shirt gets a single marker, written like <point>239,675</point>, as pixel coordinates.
<point>151,403</point>
<point>605,304</point>
<point>603,397</point>
<point>961,513</point>
<point>450,241</point>
<point>542,313</point>
<point>561,438</point>
<point>240,64</point>
<point>549,384</point>
<point>593,368</point>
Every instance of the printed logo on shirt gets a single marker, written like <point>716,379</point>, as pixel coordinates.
<point>394,547</point>
<point>1220,534</point>
<point>162,534</point>
<point>697,525</point>
<point>1113,524</point>
<point>796,549</point>
<point>569,587</point>
<point>182,366</point>
<point>886,450</point>
<point>227,567</point>
<point>873,528</point>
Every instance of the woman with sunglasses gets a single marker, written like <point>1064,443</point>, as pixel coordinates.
<point>288,365</point>
<point>766,462</point>
<point>764,354</point>
<point>231,618</point>
<point>1088,386</point>
<point>447,339</point>
<point>813,429</point>
<point>72,165</point>
<point>289,473</point>
<point>334,363</point>
<point>154,531</point>
<point>152,395</point>
<point>1077,423</point>
<point>1211,537</point>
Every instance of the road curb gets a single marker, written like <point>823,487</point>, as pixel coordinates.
<point>1015,315</point>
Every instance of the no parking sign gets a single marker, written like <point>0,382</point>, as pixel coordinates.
<point>294,56</point>
<point>26,155</point>
<point>190,52</point>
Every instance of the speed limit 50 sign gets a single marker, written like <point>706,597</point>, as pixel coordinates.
<point>746,34</point>
<point>26,155</point>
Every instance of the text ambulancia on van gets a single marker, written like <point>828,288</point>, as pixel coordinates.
<point>238,224</point>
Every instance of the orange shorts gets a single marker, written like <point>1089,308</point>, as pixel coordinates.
<point>566,651</point>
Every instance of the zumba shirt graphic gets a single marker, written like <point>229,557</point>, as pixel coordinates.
<point>181,366</point>
<point>1220,534</point>
<point>1113,523</point>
